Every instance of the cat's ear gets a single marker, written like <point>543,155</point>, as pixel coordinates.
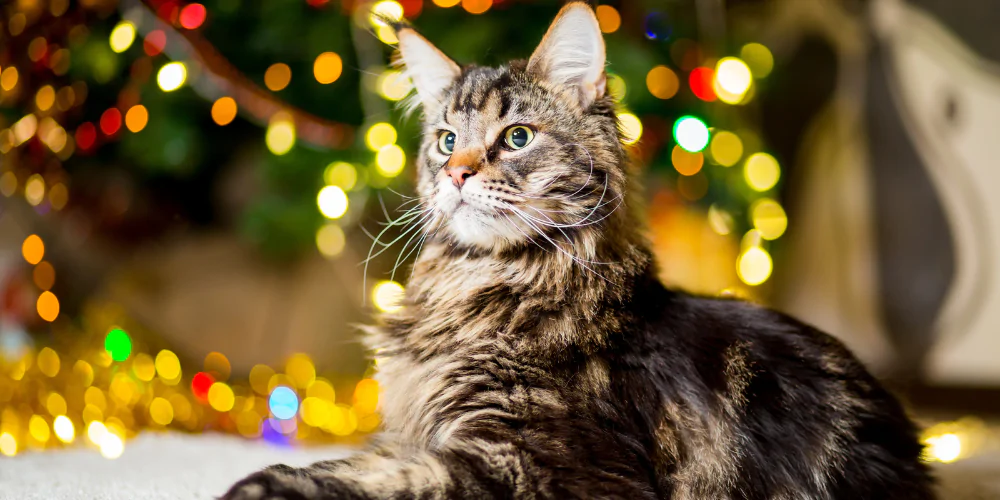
<point>428,68</point>
<point>571,54</point>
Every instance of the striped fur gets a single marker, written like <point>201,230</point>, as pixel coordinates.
<point>537,356</point>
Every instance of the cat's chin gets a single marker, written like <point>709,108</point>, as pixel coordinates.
<point>474,227</point>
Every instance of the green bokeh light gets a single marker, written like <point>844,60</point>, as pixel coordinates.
<point>118,345</point>
<point>691,133</point>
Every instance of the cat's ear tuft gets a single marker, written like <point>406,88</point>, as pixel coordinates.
<point>428,68</point>
<point>571,55</point>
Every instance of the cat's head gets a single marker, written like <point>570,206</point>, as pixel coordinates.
<point>527,152</point>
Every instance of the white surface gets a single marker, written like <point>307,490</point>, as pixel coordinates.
<point>154,466</point>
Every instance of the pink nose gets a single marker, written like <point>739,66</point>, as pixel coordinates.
<point>459,175</point>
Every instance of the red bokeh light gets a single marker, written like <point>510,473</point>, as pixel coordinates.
<point>86,134</point>
<point>168,12</point>
<point>154,43</point>
<point>111,121</point>
<point>412,8</point>
<point>317,3</point>
<point>701,83</point>
<point>192,16</point>
<point>200,384</point>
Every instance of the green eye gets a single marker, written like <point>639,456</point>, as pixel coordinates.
<point>518,136</point>
<point>446,142</point>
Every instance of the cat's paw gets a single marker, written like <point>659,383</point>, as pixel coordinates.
<point>278,482</point>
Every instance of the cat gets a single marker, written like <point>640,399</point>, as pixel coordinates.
<point>536,354</point>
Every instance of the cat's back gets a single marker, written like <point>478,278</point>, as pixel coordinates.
<point>738,399</point>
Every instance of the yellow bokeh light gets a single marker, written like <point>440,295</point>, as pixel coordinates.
<point>56,404</point>
<point>754,266</point>
<point>725,95</point>
<point>161,411</point>
<point>122,36</point>
<point>340,173</point>
<point>64,429</point>
<point>96,431</point>
<point>686,162</point>
<point>476,6</point>
<point>945,448</point>
<point>59,196</point>
<point>761,171</point>
<point>446,3</point>
<point>136,118</point>
<point>24,128</point>
<point>343,421</point>
<point>616,87</point>
<point>280,135</point>
<point>719,220</point>
<point>83,372</point>
<point>733,75</point>
<point>631,128</point>
<point>221,397</point>
<point>218,365</point>
<point>168,367</point>
<point>8,445</point>
<point>758,58</point>
<point>330,240</point>
<point>33,249</point>
<point>48,362</point>
<point>315,412</point>
<point>8,78</point>
<point>277,76</point>
<point>386,34</point>
<point>112,446</point>
<point>366,396</point>
<point>224,110</point>
<point>122,388</point>
<point>47,306</point>
<point>322,389</point>
<point>300,370</point>
<point>608,18</point>
<point>386,9</point>
<point>327,67</point>
<point>388,296</point>
<point>171,76</point>
<point>390,160</point>
<point>332,202</point>
<point>662,82</point>
<point>393,85</point>
<point>34,190</point>
<point>143,367</point>
<point>726,148</point>
<point>768,218</point>
<point>45,98</point>
<point>39,429</point>
<point>379,136</point>
<point>8,180</point>
<point>94,396</point>
<point>260,376</point>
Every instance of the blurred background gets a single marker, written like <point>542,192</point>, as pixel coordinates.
<point>194,197</point>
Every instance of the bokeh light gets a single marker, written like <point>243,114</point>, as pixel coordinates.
<point>48,306</point>
<point>143,367</point>
<point>380,135</point>
<point>8,78</point>
<point>168,366</point>
<point>221,397</point>
<point>111,121</point>
<point>388,296</point>
<point>55,404</point>
<point>32,249</point>
<point>260,377</point>
<point>48,362</point>
<point>8,445</point>
<point>701,81</point>
<point>340,173</point>
<point>387,9</point>
<point>608,18</point>
<point>136,118</point>
<point>754,266</point>
<point>631,127</point>
<point>945,448</point>
<point>118,344</point>
<point>726,148</point>
<point>44,275</point>
<point>192,16</point>
<point>64,429</point>
<point>691,133</point>
<point>761,171</point>
<point>733,75</point>
<point>476,6</point>
<point>218,365</point>
<point>390,160</point>
<point>686,162</point>
<point>277,76</point>
<point>171,76</point>
<point>154,42</point>
<point>161,411</point>
<point>280,135</point>
<point>283,403</point>
<point>58,196</point>
<point>45,98</point>
<point>393,85</point>
<point>446,3</point>
<point>330,240</point>
<point>662,82</point>
<point>122,36</point>
<point>38,428</point>
<point>224,110</point>
<point>327,67</point>
<point>758,58</point>
<point>332,202</point>
<point>300,370</point>
<point>366,396</point>
<point>768,218</point>
<point>719,220</point>
<point>34,190</point>
<point>343,421</point>
<point>616,87</point>
<point>112,446</point>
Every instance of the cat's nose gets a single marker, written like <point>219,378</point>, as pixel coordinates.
<point>459,175</point>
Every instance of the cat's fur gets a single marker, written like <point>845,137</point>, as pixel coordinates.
<point>537,355</point>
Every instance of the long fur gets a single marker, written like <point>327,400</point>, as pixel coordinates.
<point>537,355</point>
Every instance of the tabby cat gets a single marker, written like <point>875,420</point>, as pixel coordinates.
<point>536,354</point>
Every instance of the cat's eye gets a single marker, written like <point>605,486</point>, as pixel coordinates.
<point>446,142</point>
<point>518,136</point>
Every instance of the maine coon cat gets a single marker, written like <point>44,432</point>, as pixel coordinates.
<point>537,355</point>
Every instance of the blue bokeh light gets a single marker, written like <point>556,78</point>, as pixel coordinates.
<point>284,403</point>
